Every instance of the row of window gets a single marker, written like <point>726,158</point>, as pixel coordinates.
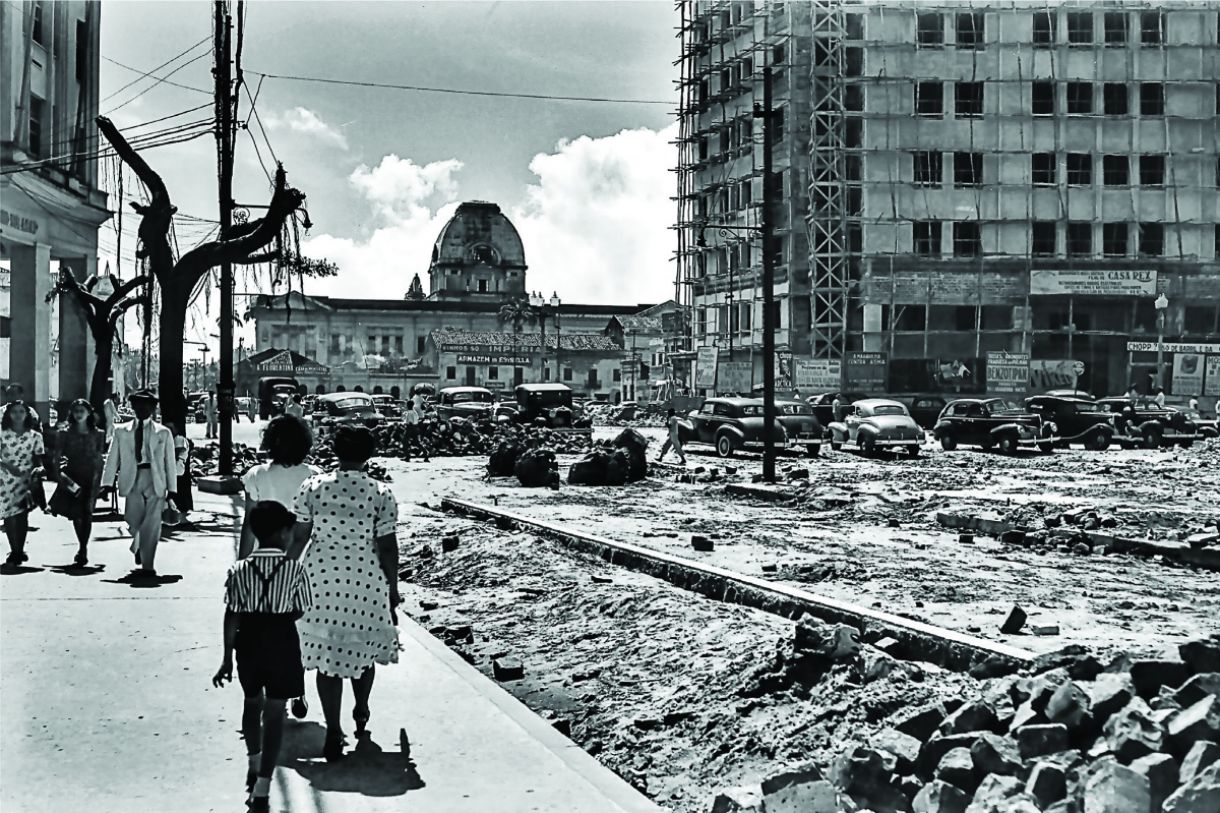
<point>1117,239</point>
<point>1079,99</point>
<point>970,28</point>
<point>927,168</point>
<point>516,375</point>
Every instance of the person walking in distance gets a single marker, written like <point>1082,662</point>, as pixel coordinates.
<point>294,408</point>
<point>265,594</point>
<point>348,520</point>
<point>110,414</point>
<point>142,456</point>
<point>76,465</point>
<point>674,440</point>
<point>210,413</point>
<point>20,451</point>
<point>252,408</point>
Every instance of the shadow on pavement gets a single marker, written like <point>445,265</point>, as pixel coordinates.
<point>368,769</point>
<point>18,570</point>
<point>72,569</point>
<point>137,579</point>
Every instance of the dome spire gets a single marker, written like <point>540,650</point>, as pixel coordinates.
<point>416,292</point>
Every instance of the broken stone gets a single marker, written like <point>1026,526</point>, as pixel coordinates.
<point>834,642</point>
<point>702,543</point>
<point>957,768</point>
<point>903,747</point>
<point>1201,721</point>
<point>602,580</point>
<point>508,668</point>
<point>1132,733</point>
<point>993,754</point>
<point>563,726</point>
<point>770,568</point>
<point>1000,794</point>
<point>920,723</point>
<point>1199,795</point>
<point>935,748</point>
<point>799,791</point>
<point>1047,783</point>
<point>1148,676</point>
<point>741,799</point>
<point>1201,654</point>
<point>1197,688</point>
<point>1044,629</point>
<point>939,797</point>
<point>1076,660</point>
<point>1109,693</point>
<point>449,543</point>
<point>977,715</point>
<point>1015,621</point>
<point>1068,705</point>
<point>1040,740</point>
<point>428,606</point>
<point>1113,788</point>
<point>1201,755</point>
<point>1162,772</point>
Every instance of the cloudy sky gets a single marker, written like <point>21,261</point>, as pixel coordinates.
<point>587,184</point>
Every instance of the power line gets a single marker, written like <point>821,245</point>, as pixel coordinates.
<point>149,72</point>
<point>460,91</point>
<point>159,79</point>
<point>150,142</point>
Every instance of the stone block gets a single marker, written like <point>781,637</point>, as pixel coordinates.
<point>1001,794</point>
<point>938,745</point>
<point>1199,795</point>
<point>1078,662</point>
<point>1109,693</point>
<point>1201,654</point>
<point>1198,687</point>
<point>1149,675</point>
<point>1047,783</point>
<point>859,769</point>
<point>903,747</point>
<point>741,799</point>
<point>1039,740</point>
<point>1110,787</point>
<point>939,797</point>
<point>1201,721</point>
<point>957,768</point>
<point>1162,772</point>
<point>922,722</point>
<point>1013,536</point>
<point>1015,621</point>
<point>702,543</point>
<point>799,792</point>
<point>976,715</point>
<point>1068,705</point>
<point>995,754</point>
<point>833,642</point>
<point>1132,733</point>
<point>1200,756</point>
<point>965,539</point>
<point>508,668</point>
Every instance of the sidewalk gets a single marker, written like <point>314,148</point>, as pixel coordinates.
<point>106,703</point>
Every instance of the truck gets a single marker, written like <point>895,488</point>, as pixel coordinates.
<point>269,391</point>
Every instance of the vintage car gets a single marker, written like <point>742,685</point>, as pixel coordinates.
<point>387,405</point>
<point>345,409</point>
<point>801,424</point>
<point>730,424</point>
<point>1143,423</point>
<point>1077,420</point>
<point>926,409</point>
<point>472,403</point>
<point>992,423</point>
<point>824,405</point>
<point>550,403</point>
<point>1206,427</point>
<point>877,424</point>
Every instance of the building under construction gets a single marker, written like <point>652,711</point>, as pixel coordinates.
<point>983,187</point>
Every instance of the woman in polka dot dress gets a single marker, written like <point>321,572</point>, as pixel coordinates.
<point>347,520</point>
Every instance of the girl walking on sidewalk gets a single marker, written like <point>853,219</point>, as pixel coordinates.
<point>77,467</point>
<point>21,450</point>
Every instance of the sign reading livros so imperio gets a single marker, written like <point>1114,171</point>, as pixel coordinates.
<point>1007,373</point>
<point>1092,282</point>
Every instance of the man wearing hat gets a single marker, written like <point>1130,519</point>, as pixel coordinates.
<point>142,455</point>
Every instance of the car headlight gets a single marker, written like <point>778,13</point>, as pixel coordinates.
<point>1052,428</point>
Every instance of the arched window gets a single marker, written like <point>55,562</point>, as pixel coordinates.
<point>395,392</point>
<point>340,388</point>
<point>358,388</point>
<point>377,390</point>
<point>319,390</point>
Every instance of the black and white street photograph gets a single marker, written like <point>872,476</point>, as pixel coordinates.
<point>610,406</point>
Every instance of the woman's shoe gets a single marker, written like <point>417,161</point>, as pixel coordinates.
<point>81,559</point>
<point>251,778</point>
<point>300,707</point>
<point>333,749</point>
<point>362,720</point>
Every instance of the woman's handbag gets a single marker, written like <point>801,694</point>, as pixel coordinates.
<point>63,499</point>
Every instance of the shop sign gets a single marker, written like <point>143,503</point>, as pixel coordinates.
<point>514,359</point>
<point>866,371</point>
<point>1007,373</point>
<point>818,375</point>
<point>15,221</point>
<point>1187,373</point>
<point>1172,347</point>
<point>733,376</point>
<point>493,385</point>
<point>1211,381</point>
<point>1051,374</point>
<point>1093,282</point>
<point>448,347</point>
<point>706,358</point>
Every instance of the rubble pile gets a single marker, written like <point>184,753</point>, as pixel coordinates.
<point>205,458</point>
<point>1068,735</point>
<point>459,437</point>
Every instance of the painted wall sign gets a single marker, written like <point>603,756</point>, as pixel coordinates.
<point>1187,373</point>
<point>15,221</point>
<point>866,371</point>
<point>1051,374</point>
<point>1211,381</point>
<point>1007,373</point>
<point>733,376</point>
<point>1092,282</point>
<point>1172,347</point>
<point>481,348</point>
<point>705,366</point>
<point>495,358</point>
<point>818,375</point>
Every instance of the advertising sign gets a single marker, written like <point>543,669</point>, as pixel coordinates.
<point>515,359</point>
<point>1187,373</point>
<point>866,371</point>
<point>733,376</point>
<point>1211,381</point>
<point>818,375</point>
<point>1051,374</point>
<point>705,366</point>
<point>1092,282</point>
<point>1172,347</point>
<point>1007,373</point>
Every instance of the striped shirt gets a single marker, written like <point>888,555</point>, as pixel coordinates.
<point>267,582</point>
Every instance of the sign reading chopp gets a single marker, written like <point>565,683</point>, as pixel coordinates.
<point>1092,282</point>
<point>1007,373</point>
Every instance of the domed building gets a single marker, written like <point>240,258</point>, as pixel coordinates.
<point>478,256</point>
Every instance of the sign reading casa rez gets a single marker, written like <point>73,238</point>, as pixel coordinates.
<point>1092,282</point>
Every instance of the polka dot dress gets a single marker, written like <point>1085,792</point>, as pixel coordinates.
<point>349,626</point>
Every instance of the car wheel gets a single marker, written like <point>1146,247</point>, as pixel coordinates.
<point>1007,444</point>
<point>1186,444</point>
<point>814,449</point>
<point>1099,441</point>
<point>1152,439</point>
<point>1046,448</point>
<point>867,445</point>
<point>913,451</point>
<point>725,446</point>
<point>948,442</point>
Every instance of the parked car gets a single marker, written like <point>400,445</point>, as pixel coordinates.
<point>876,424</point>
<point>992,423</point>
<point>1077,420</point>
<point>465,402</point>
<point>730,424</point>
<point>1206,427</point>
<point>801,424</point>
<point>1088,396</point>
<point>1143,423</point>
<point>823,405</point>
<point>345,409</point>
<point>926,409</point>
<point>387,405</point>
<point>550,402</point>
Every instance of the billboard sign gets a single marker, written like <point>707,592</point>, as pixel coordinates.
<point>705,366</point>
<point>818,375</point>
<point>734,376</point>
<point>1092,282</point>
<point>1007,373</point>
<point>866,371</point>
<point>1188,373</point>
<point>1211,381</point>
<point>1051,374</point>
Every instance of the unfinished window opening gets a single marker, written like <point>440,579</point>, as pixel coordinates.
<point>37,26</point>
<point>1218,236</point>
<point>1080,27</point>
<point>1042,100</point>
<point>926,237</point>
<point>853,132</point>
<point>967,168</point>
<point>930,30</point>
<point>777,55</point>
<point>970,29</point>
<point>968,100</point>
<point>1114,98</point>
<point>1079,98</point>
<point>1042,238</point>
<point>1042,169</point>
<point>1152,170</point>
<point>854,26</point>
<point>853,97</point>
<point>1114,239</point>
<point>851,166</point>
<point>1116,28</point>
<point>929,99</point>
<point>1152,99</point>
<point>967,239</point>
<point>1152,239</point>
<point>1079,169</point>
<point>1152,27</point>
<point>1115,170</point>
<point>927,168</point>
<point>37,114</point>
<point>1044,29</point>
<point>1079,239</point>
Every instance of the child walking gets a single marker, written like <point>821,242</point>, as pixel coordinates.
<point>265,594</point>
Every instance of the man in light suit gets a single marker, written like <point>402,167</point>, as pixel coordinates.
<point>142,455</point>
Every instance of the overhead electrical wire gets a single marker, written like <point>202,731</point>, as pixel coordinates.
<point>150,141</point>
<point>159,79</point>
<point>143,74</point>
<point>151,75</point>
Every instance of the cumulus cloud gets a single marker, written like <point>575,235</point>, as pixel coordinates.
<point>305,121</point>
<point>401,190</point>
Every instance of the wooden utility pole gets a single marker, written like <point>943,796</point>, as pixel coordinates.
<point>768,283</point>
<point>224,152</point>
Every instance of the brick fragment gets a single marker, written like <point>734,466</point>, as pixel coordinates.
<point>1039,740</point>
<point>508,668</point>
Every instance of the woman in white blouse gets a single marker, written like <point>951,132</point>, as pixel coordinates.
<point>287,442</point>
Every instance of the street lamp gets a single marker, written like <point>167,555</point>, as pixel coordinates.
<point>546,308</point>
<point>1162,304</point>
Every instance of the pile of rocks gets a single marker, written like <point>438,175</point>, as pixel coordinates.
<point>460,438</point>
<point>1069,735</point>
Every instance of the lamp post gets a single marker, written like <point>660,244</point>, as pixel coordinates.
<point>1162,304</point>
<point>546,308</point>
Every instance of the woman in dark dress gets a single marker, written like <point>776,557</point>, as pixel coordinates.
<point>79,450</point>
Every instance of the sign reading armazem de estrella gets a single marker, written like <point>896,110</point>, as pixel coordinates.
<point>1007,373</point>
<point>1092,282</point>
<point>519,359</point>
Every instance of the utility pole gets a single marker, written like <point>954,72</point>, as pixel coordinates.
<point>224,150</point>
<point>768,284</point>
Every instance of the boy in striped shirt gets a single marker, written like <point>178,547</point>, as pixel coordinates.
<point>265,594</point>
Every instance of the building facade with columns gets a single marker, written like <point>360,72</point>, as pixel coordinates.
<point>50,203</point>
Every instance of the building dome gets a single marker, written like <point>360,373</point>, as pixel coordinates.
<point>478,254</point>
